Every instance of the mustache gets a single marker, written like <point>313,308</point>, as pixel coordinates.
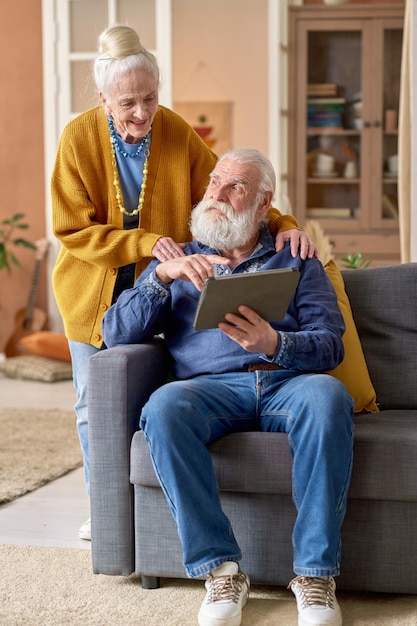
<point>223,207</point>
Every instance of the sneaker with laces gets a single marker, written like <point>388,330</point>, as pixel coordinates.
<point>84,532</point>
<point>316,601</point>
<point>227,594</point>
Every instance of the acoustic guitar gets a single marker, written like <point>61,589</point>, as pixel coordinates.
<point>30,319</point>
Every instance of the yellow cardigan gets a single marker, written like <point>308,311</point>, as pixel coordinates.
<point>87,221</point>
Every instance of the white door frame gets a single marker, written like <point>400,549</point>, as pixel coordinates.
<point>57,96</point>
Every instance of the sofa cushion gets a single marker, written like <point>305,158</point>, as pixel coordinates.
<point>385,456</point>
<point>383,301</point>
<point>352,371</point>
<point>250,462</point>
<point>384,468</point>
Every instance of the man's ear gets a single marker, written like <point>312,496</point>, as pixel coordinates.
<point>265,203</point>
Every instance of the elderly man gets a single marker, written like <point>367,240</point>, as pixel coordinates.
<point>247,374</point>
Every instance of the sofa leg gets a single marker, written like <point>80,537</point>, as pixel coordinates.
<point>150,582</point>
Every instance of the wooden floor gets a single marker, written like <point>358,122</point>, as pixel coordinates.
<point>51,515</point>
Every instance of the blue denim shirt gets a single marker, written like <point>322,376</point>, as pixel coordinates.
<point>310,334</point>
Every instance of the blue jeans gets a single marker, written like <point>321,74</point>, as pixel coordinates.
<point>80,355</point>
<point>315,410</point>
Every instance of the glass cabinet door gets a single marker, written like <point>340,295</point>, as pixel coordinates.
<point>350,81</point>
<point>334,123</point>
<point>387,215</point>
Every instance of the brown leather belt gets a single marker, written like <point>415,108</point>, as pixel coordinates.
<point>254,367</point>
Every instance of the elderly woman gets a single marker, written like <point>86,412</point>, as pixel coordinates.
<point>127,175</point>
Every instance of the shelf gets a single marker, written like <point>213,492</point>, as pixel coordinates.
<point>323,130</point>
<point>329,213</point>
<point>333,181</point>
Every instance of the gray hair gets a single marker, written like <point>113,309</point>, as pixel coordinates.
<point>259,160</point>
<point>121,51</point>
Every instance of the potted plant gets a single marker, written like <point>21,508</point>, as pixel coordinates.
<point>355,261</point>
<point>8,240</point>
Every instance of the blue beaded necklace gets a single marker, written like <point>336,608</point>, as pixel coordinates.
<point>115,146</point>
<point>115,141</point>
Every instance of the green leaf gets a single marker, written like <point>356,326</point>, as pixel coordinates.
<point>3,257</point>
<point>25,243</point>
<point>15,260</point>
<point>18,216</point>
<point>355,261</point>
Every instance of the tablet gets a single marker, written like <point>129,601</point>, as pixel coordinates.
<point>268,293</point>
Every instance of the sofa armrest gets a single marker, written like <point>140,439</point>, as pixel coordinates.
<point>120,382</point>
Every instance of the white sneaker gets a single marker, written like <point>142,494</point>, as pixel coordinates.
<point>227,594</point>
<point>316,601</point>
<point>84,532</point>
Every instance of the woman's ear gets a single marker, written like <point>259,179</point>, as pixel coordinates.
<point>104,103</point>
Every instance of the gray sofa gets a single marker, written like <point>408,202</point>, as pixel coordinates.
<point>132,527</point>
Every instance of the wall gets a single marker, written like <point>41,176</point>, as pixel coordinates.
<point>221,54</point>
<point>21,149</point>
<point>228,39</point>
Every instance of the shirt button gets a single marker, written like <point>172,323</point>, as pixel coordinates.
<point>112,271</point>
<point>103,307</point>
<point>96,337</point>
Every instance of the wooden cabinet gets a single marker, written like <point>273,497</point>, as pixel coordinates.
<point>344,84</point>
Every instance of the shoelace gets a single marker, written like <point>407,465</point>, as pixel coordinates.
<point>225,588</point>
<point>314,591</point>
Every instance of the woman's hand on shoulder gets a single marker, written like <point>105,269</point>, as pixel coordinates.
<point>166,248</point>
<point>299,242</point>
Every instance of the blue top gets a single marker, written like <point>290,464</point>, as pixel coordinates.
<point>310,334</point>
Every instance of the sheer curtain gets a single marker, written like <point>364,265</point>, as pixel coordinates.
<point>407,140</point>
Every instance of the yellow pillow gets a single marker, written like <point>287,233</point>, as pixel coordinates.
<point>352,371</point>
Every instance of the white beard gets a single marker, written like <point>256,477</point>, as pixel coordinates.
<point>222,232</point>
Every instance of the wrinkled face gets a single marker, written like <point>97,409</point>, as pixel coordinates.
<point>133,103</point>
<point>234,183</point>
<point>232,208</point>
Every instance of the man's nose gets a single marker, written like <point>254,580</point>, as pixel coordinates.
<point>219,193</point>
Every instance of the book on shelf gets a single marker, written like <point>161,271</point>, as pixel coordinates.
<point>323,102</point>
<point>325,112</point>
<point>328,212</point>
<point>321,89</point>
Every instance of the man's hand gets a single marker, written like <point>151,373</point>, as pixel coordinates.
<point>251,332</point>
<point>298,239</point>
<point>195,268</point>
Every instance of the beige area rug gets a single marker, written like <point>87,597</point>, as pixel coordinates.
<point>56,587</point>
<point>36,446</point>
